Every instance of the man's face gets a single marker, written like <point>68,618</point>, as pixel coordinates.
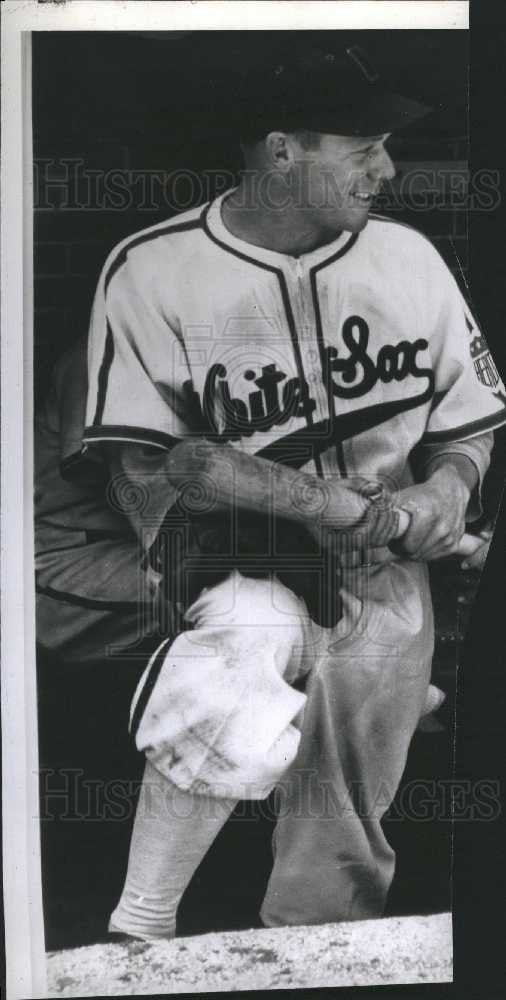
<point>337,182</point>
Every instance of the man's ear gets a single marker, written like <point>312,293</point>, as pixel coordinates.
<point>279,151</point>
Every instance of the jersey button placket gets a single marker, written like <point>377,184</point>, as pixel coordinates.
<point>306,323</point>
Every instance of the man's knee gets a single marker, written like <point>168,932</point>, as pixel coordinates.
<point>248,601</point>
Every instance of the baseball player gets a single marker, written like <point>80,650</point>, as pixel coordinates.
<point>271,367</point>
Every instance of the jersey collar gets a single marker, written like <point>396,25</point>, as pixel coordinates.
<point>270,257</point>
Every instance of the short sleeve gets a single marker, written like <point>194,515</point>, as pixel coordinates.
<point>139,383</point>
<point>469,396</point>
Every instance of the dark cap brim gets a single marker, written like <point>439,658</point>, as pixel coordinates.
<point>377,113</point>
<point>382,112</point>
<point>372,114</point>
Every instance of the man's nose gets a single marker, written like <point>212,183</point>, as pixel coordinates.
<point>383,168</point>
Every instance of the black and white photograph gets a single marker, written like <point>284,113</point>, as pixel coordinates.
<point>255,467</point>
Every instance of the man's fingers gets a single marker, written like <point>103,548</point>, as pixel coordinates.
<point>365,556</point>
<point>439,543</point>
<point>432,541</point>
<point>403,523</point>
<point>440,537</point>
<point>415,536</point>
<point>440,550</point>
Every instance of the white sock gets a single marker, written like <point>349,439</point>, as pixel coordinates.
<point>172,832</point>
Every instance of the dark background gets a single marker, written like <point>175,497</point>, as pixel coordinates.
<point>135,102</point>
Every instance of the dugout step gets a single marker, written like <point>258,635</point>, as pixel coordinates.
<point>370,952</point>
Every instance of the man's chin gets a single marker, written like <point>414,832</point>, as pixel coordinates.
<point>352,225</point>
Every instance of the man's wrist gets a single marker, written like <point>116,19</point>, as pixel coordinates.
<point>305,497</point>
<point>326,503</point>
<point>453,472</point>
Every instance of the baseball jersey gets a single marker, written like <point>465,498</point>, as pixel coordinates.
<point>338,361</point>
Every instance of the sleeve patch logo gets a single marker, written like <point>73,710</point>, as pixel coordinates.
<point>486,371</point>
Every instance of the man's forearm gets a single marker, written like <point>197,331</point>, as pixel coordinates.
<point>228,477</point>
<point>459,470</point>
<point>468,459</point>
<point>209,478</point>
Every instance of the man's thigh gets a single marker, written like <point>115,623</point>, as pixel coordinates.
<point>364,696</point>
<point>216,711</point>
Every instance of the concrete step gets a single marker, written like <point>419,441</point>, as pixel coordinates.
<point>370,952</point>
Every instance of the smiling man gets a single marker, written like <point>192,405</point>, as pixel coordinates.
<point>253,365</point>
<point>314,185</point>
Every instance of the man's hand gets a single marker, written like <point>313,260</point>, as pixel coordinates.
<point>437,510</point>
<point>358,518</point>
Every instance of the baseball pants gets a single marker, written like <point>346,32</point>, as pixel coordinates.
<point>217,716</point>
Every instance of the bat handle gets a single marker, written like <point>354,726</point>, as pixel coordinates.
<point>467,546</point>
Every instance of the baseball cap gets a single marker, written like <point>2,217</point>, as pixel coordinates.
<point>338,92</point>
